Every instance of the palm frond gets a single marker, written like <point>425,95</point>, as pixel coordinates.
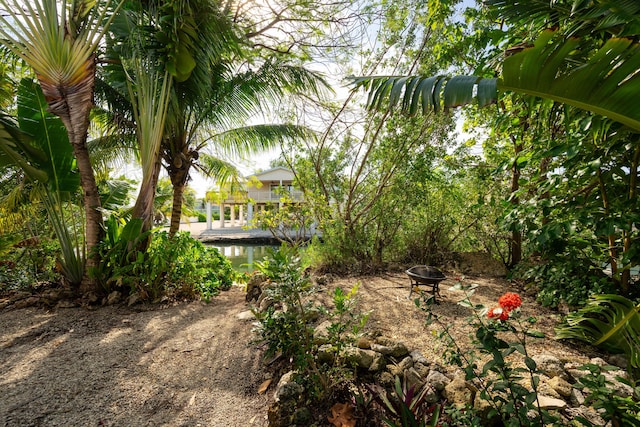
<point>607,84</point>
<point>609,321</point>
<point>251,140</point>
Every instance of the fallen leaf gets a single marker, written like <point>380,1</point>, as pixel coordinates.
<point>342,415</point>
<point>264,386</point>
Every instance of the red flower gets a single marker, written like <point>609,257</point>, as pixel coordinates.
<point>497,312</point>
<point>510,301</point>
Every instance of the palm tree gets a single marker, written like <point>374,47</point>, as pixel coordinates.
<point>230,100</point>
<point>211,99</point>
<point>58,39</point>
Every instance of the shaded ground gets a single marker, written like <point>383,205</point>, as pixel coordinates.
<point>190,364</point>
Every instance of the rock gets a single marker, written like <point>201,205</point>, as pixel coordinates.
<point>550,365</point>
<point>619,360</point>
<point>254,287</point>
<point>598,361</point>
<point>66,304</point>
<point>576,398</point>
<point>326,354</point>
<point>359,357</point>
<point>245,315</point>
<point>302,417</point>
<point>364,343</point>
<point>619,388</point>
<point>378,363</point>
<point>133,299</point>
<point>27,302</point>
<point>114,298</point>
<point>386,379</point>
<point>91,297</point>
<point>437,380</point>
<point>457,393</point>
<point>264,302</point>
<point>413,379</point>
<point>418,357</point>
<point>547,402</point>
<point>390,348</point>
<point>588,413</point>
<point>287,388</point>
<point>560,386</point>
<point>321,332</point>
<point>421,369</point>
<point>406,363</point>
<point>395,370</point>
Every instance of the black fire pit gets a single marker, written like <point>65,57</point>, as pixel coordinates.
<point>427,276</point>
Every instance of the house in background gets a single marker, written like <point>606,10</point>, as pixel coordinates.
<point>262,189</point>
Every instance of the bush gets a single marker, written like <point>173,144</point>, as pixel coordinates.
<point>564,280</point>
<point>177,267</point>
<point>285,328</point>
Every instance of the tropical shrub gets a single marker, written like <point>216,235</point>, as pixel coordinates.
<point>285,326</point>
<point>611,322</point>
<point>564,279</point>
<point>171,267</point>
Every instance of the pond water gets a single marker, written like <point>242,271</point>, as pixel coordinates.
<point>242,255</point>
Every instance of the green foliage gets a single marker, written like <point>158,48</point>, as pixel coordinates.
<point>290,223</point>
<point>620,411</point>
<point>498,380</point>
<point>170,267</point>
<point>608,321</point>
<point>564,279</point>
<point>29,263</point>
<point>406,406</point>
<point>285,326</point>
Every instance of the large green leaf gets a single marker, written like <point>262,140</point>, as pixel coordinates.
<point>607,84</point>
<point>609,321</point>
<point>49,149</point>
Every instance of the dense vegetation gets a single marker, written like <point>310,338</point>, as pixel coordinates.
<point>506,127</point>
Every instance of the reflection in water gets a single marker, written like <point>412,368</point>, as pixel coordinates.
<point>243,255</point>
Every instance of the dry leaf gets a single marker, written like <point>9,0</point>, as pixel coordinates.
<point>264,386</point>
<point>342,415</point>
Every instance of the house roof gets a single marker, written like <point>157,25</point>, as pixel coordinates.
<point>275,174</point>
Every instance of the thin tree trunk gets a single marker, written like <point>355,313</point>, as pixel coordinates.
<point>94,226</point>
<point>516,235</point>
<point>144,208</point>
<point>176,210</point>
<point>611,238</point>
<point>627,236</point>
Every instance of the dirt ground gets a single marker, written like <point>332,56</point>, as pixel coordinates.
<point>192,364</point>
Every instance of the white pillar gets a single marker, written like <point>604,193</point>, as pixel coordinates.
<point>240,215</point>
<point>232,215</point>
<point>249,212</point>
<point>221,215</point>
<point>208,207</point>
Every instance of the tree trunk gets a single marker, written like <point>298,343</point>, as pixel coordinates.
<point>176,209</point>
<point>516,235</point>
<point>72,102</point>
<point>144,209</point>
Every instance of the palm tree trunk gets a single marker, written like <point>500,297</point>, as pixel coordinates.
<point>94,226</point>
<point>176,210</point>
<point>72,103</point>
<point>143,208</point>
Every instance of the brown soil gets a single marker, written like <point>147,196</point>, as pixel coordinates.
<point>192,364</point>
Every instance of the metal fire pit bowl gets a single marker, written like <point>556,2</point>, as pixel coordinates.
<point>427,276</point>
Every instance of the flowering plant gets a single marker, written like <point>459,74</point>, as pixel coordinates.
<point>498,381</point>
